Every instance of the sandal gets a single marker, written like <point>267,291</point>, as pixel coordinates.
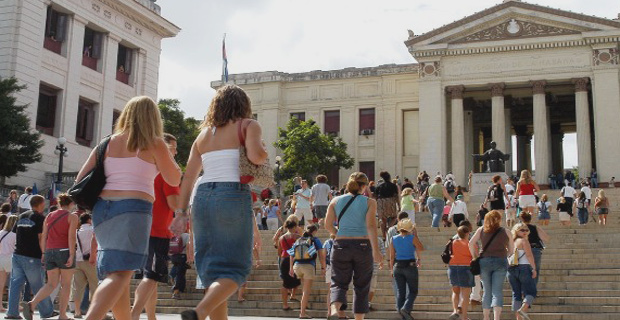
<point>305,317</point>
<point>28,313</point>
<point>287,308</point>
<point>189,315</point>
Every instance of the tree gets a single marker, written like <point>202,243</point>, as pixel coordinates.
<point>308,152</point>
<point>184,129</point>
<point>19,144</point>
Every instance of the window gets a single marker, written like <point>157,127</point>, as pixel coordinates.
<point>301,116</point>
<point>55,30</point>
<point>91,52</point>
<point>368,167</point>
<point>124,61</point>
<point>46,110</point>
<point>85,123</point>
<point>255,116</point>
<point>367,121</point>
<point>115,115</point>
<point>333,178</point>
<point>332,122</point>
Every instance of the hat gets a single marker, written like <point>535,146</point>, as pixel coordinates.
<point>405,224</point>
<point>459,197</point>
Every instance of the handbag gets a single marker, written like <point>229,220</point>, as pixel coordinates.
<point>475,264</point>
<point>446,255</point>
<point>85,192</point>
<point>250,173</point>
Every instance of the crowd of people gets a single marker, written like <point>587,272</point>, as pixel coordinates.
<point>142,222</point>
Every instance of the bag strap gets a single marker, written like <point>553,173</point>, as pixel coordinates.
<point>346,207</point>
<point>4,236</point>
<point>101,149</point>
<point>77,235</point>
<point>490,240</point>
<point>241,130</point>
<point>54,222</point>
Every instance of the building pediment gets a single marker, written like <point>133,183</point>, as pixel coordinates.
<point>516,21</point>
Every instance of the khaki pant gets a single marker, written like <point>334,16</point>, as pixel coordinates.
<point>85,273</point>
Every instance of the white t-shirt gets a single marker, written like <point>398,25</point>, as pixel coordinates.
<point>320,192</point>
<point>458,207</point>
<point>509,187</point>
<point>547,206</point>
<point>303,203</point>
<point>24,201</point>
<point>587,191</point>
<point>85,234</point>
<point>568,192</point>
<point>7,246</point>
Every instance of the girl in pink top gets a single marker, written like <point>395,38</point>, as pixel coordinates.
<point>58,246</point>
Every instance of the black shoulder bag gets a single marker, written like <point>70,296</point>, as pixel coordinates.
<point>446,255</point>
<point>475,264</point>
<point>86,191</point>
<point>345,208</point>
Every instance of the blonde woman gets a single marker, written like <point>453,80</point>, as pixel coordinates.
<point>408,203</point>
<point>7,246</point>
<point>222,208</point>
<point>544,208</point>
<point>526,188</point>
<point>601,207</point>
<point>122,216</point>
<point>273,215</point>
<point>522,272</point>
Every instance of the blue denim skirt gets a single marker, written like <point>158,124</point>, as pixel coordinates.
<point>461,276</point>
<point>122,229</point>
<point>222,221</point>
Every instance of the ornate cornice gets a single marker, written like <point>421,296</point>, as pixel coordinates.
<point>497,89</point>
<point>455,92</point>
<point>581,84</point>
<point>538,87</point>
<point>512,29</point>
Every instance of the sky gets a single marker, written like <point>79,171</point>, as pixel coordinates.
<point>300,36</point>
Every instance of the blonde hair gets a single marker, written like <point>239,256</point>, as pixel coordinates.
<point>544,198</point>
<point>601,194</point>
<point>526,177</point>
<point>230,103</point>
<point>492,221</point>
<point>141,121</point>
<point>562,200</point>
<point>515,230</point>
<point>406,192</point>
<point>10,222</point>
<point>356,181</point>
<point>272,203</point>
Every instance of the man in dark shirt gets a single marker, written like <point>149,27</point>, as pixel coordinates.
<point>27,259</point>
<point>388,202</point>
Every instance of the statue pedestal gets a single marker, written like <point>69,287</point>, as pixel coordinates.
<point>480,184</point>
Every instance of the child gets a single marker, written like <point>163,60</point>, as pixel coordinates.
<point>458,211</point>
<point>481,213</point>
<point>408,203</point>
<point>511,215</point>
<point>446,214</point>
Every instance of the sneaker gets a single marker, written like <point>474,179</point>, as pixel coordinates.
<point>12,317</point>
<point>454,316</point>
<point>189,315</point>
<point>523,314</point>
<point>405,314</point>
<point>27,311</point>
<point>176,296</point>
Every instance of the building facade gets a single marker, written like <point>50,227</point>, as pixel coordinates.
<point>514,70</point>
<point>81,62</point>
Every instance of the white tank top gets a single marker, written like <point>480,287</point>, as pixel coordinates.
<point>522,257</point>
<point>220,166</point>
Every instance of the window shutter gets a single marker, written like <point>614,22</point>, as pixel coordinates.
<point>128,60</point>
<point>61,27</point>
<point>367,119</point>
<point>97,42</point>
<point>332,121</point>
<point>90,123</point>
<point>48,22</point>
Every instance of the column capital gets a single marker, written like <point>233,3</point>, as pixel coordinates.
<point>497,89</point>
<point>456,92</point>
<point>581,84</point>
<point>538,86</point>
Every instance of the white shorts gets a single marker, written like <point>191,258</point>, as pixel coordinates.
<point>511,214</point>
<point>527,201</point>
<point>328,274</point>
<point>6,262</point>
<point>304,212</point>
<point>564,216</point>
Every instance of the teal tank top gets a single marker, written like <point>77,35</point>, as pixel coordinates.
<point>353,223</point>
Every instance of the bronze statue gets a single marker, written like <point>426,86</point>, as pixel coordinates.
<point>494,159</point>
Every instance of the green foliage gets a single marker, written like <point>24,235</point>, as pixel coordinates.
<point>184,129</point>
<point>19,145</point>
<point>307,152</point>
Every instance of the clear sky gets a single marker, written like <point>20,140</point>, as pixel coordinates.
<point>300,36</point>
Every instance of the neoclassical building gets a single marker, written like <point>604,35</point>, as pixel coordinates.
<point>515,69</point>
<point>81,60</point>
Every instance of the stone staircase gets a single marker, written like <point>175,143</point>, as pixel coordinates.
<point>580,277</point>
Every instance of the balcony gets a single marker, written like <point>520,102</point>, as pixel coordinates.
<point>90,62</point>
<point>122,77</point>
<point>52,45</point>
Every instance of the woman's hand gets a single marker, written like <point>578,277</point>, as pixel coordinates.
<point>70,260</point>
<point>93,258</point>
<point>179,224</point>
<point>534,274</point>
<point>378,257</point>
<point>291,273</point>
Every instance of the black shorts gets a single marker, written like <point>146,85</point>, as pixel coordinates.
<point>157,261</point>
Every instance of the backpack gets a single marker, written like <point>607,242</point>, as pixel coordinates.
<point>581,204</point>
<point>449,186</point>
<point>446,255</point>
<point>543,207</point>
<point>304,250</point>
<point>176,245</point>
<point>493,194</point>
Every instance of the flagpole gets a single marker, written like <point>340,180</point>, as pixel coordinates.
<point>224,61</point>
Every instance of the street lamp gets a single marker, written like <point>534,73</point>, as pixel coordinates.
<point>278,165</point>
<point>61,151</point>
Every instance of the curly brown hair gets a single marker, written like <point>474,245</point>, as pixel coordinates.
<point>230,103</point>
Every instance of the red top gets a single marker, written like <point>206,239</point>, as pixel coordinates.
<point>461,256</point>
<point>58,234</point>
<point>526,189</point>
<point>286,242</point>
<point>162,214</point>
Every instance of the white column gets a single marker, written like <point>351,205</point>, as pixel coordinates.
<point>582,117</point>
<point>458,133</point>
<point>606,99</point>
<point>508,140</point>
<point>469,144</point>
<point>71,94</point>
<point>108,99</point>
<point>498,117</point>
<point>432,130</point>
<point>542,158</point>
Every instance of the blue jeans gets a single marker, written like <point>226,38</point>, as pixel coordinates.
<point>406,279</point>
<point>582,214</point>
<point>435,206</point>
<point>31,269</point>
<point>537,252</point>
<point>520,278</point>
<point>493,274</point>
<point>594,182</point>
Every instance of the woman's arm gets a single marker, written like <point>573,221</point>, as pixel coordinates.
<point>473,244</point>
<point>330,217</point>
<point>446,194</point>
<point>43,236</point>
<point>518,189</point>
<point>392,253</point>
<point>536,187</point>
<point>529,255</point>
<point>194,166</point>
<point>542,234</point>
<point>73,223</point>
<point>88,165</point>
<point>597,202</point>
<point>254,145</point>
<point>165,163</point>
<point>371,227</point>
<point>416,241</point>
<point>511,243</point>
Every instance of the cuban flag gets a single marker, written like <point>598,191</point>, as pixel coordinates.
<point>224,61</point>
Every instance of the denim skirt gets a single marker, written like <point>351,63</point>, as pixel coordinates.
<point>222,222</point>
<point>461,276</point>
<point>122,229</point>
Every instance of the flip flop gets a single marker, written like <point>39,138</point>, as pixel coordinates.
<point>305,317</point>
<point>333,317</point>
<point>287,308</point>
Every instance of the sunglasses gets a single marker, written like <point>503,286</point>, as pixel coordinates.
<point>524,230</point>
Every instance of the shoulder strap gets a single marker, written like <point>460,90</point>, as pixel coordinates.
<point>77,235</point>
<point>490,240</point>
<point>57,219</point>
<point>241,130</point>
<point>4,236</point>
<point>346,207</point>
<point>101,149</point>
